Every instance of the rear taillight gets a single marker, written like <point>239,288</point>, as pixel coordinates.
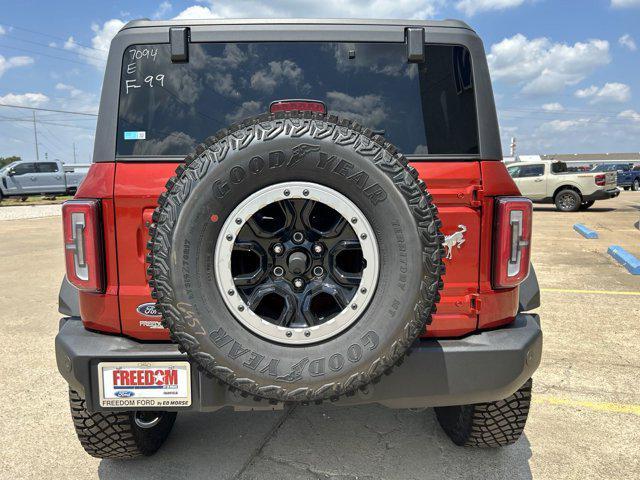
<point>601,180</point>
<point>512,247</point>
<point>83,244</point>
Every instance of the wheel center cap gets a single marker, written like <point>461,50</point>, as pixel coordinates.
<point>298,262</point>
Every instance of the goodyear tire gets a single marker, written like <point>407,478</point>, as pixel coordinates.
<point>344,241</point>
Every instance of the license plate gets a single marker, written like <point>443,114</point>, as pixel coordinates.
<point>145,384</point>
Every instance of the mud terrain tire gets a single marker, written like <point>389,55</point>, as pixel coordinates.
<point>116,434</point>
<point>254,155</point>
<point>492,424</point>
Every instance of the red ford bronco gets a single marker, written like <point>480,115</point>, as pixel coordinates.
<point>296,212</point>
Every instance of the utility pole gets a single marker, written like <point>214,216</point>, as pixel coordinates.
<point>513,146</point>
<point>74,152</point>
<point>35,133</point>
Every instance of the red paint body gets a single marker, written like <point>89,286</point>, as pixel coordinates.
<point>462,191</point>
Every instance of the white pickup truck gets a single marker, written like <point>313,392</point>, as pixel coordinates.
<point>551,182</point>
<point>29,178</point>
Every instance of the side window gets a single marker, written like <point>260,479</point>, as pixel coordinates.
<point>24,168</point>
<point>514,172</point>
<point>47,167</point>
<point>532,171</point>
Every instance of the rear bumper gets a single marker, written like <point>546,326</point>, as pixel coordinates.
<point>602,195</point>
<point>482,367</point>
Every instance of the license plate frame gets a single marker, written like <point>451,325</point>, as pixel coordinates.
<point>144,384</point>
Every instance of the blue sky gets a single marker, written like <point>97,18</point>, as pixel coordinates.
<point>566,74</point>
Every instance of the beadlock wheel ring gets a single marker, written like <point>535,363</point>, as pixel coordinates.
<point>288,191</point>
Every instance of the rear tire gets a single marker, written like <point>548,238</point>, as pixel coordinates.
<point>492,424</point>
<point>586,205</point>
<point>118,434</point>
<point>636,185</point>
<point>568,201</point>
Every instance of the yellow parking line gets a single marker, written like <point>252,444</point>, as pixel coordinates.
<point>589,292</point>
<point>597,406</point>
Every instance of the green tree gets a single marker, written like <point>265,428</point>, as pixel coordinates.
<point>7,160</point>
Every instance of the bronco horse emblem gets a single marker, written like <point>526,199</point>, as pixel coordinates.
<point>456,239</point>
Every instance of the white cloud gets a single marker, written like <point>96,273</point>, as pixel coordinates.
<point>163,9</point>
<point>247,109</point>
<point>13,62</point>
<point>540,66</point>
<point>414,9</point>
<point>564,125</point>
<point>25,99</point>
<point>196,12</point>
<point>630,115</point>
<point>366,109</point>
<point>625,3</point>
<point>267,80</point>
<point>471,7</point>
<point>587,92</point>
<point>552,107</point>
<point>2,30</point>
<point>73,91</point>
<point>97,55</point>
<point>628,42</point>
<point>73,98</point>
<point>610,92</point>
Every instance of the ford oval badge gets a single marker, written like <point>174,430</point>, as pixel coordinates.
<point>148,310</point>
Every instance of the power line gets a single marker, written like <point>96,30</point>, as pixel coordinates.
<point>54,47</point>
<point>54,37</point>
<point>35,52</point>
<point>48,110</point>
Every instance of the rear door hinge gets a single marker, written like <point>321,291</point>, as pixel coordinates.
<point>179,38</point>
<point>415,37</point>
<point>477,196</point>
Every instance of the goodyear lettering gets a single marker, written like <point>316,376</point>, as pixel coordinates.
<point>291,373</point>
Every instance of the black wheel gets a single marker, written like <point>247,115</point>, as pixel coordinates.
<point>626,188</point>
<point>493,424</point>
<point>119,435</point>
<point>636,185</point>
<point>296,257</point>
<point>585,205</point>
<point>568,201</point>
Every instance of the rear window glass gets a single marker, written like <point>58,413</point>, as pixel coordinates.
<point>167,108</point>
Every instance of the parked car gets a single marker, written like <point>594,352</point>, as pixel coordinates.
<point>296,255</point>
<point>550,182</point>
<point>628,175</point>
<point>49,177</point>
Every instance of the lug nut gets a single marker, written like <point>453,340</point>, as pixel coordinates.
<point>305,193</point>
<point>278,249</point>
<point>354,220</point>
<point>298,283</point>
<point>238,221</point>
<point>307,333</point>
<point>317,248</point>
<point>298,237</point>
<point>363,236</point>
<point>318,271</point>
<point>278,271</point>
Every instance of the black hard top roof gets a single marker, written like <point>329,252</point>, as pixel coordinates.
<point>145,22</point>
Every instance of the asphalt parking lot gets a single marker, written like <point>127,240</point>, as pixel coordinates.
<point>584,423</point>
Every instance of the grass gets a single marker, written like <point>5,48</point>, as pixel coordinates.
<point>34,200</point>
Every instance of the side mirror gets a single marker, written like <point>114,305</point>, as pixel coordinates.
<point>11,172</point>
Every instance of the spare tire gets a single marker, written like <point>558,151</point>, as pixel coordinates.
<point>296,257</point>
